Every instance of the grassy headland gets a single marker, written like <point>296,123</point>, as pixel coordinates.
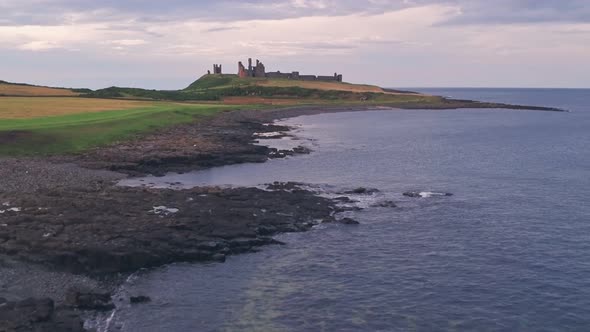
<point>228,89</point>
<point>222,87</point>
<point>62,120</point>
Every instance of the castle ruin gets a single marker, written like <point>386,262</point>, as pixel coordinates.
<point>251,71</point>
<point>260,71</point>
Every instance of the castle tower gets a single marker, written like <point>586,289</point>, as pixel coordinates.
<point>259,70</point>
<point>242,70</point>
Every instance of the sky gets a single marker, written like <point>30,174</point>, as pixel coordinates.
<point>392,43</point>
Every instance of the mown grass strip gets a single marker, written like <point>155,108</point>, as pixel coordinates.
<point>79,132</point>
<point>105,116</point>
<point>38,107</point>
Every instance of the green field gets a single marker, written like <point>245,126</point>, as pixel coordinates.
<point>78,132</point>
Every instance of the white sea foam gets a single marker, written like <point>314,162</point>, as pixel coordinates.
<point>163,210</point>
<point>427,194</point>
<point>110,319</point>
<point>14,209</point>
<point>269,134</point>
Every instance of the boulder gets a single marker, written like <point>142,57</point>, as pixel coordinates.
<point>362,191</point>
<point>139,299</point>
<point>37,315</point>
<point>87,300</point>
<point>344,199</point>
<point>348,221</point>
<point>385,204</point>
<point>412,194</point>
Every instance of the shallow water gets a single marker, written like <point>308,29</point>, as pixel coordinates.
<point>510,250</point>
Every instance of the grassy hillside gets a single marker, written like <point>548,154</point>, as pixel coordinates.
<point>27,90</point>
<point>226,88</point>
<point>227,81</point>
<point>217,81</point>
<point>326,86</point>
<point>75,132</point>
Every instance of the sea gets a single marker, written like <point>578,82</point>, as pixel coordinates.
<point>508,251</point>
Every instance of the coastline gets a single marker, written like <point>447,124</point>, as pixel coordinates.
<point>34,188</point>
<point>65,216</point>
<point>56,195</point>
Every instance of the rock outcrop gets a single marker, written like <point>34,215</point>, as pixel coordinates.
<point>117,229</point>
<point>38,315</point>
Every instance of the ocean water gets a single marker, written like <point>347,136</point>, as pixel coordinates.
<point>509,251</point>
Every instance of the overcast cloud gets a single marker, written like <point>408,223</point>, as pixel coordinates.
<point>167,44</point>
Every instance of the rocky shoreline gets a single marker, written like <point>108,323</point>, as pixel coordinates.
<point>114,229</point>
<point>64,214</point>
<point>224,139</point>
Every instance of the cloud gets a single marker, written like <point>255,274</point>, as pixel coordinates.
<point>472,12</point>
<point>521,11</point>
<point>410,28</point>
<point>61,11</point>
<point>128,42</point>
<point>373,39</point>
<point>218,29</point>
<point>309,4</point>
<point>38,45</point>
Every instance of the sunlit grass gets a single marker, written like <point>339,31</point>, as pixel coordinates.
<point>77,132</point>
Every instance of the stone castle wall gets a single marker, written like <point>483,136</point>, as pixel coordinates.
<point>259,70</point>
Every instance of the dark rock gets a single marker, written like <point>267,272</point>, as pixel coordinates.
<point>219,258</point>
<point>362,191</point>
<point>385,204</point>
<point>139,299</point>
<point>38,310</point>
<point>274,153</point>
<point>266,230</point>
<point>412,194</point>
<point>301,150</point>
<point>38,315</point>
<point>348,208</point>
<point>277,242</point>
<point>348,221</point>
<point>87,300</point>
<point>284,186</point>
<point>112,230</point>
<point>344,199</point>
